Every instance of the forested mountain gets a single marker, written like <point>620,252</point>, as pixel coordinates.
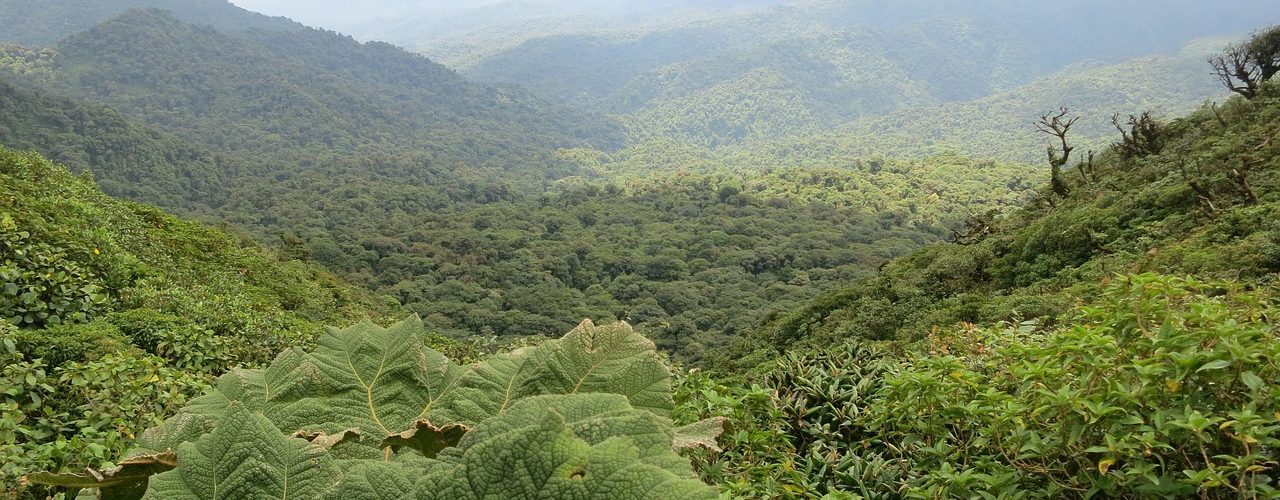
<point>766,106</point>
<point>466,34</point>
<point>280,94</point>
<point>813,66</point>
<point>996,126</point>
<point>44,22</point>
<point>931,42</point>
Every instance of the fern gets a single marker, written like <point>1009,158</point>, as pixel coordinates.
<point>373,413</point>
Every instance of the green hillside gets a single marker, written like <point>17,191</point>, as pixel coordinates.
<point>1030,356</point>
<point>1136,214</point>
<point>116,312</point>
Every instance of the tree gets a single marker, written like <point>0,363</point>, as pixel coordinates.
<point>1140,135</point>
<point>1245,67</point>
<point>1057,125</point>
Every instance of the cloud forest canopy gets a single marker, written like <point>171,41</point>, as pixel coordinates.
<point>814,241</point>
<point>478,240</point>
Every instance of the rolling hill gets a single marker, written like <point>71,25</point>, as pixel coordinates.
<point>40,22</point>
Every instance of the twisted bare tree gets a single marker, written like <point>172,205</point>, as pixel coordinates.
<point>1057,124</point>
<point>1245,67</point>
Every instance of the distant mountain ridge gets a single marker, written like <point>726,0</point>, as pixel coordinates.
<point>720,81</point>
<point>44,22</point>
<point>279,94</point>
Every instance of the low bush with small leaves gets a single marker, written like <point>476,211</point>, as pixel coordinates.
<point>1163,387</point>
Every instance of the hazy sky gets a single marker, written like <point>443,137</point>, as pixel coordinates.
<point>328,13</point>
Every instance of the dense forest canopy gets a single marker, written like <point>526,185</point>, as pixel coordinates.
<point>476,234</point>
<point>802,249</point>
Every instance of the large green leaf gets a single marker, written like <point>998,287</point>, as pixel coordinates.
<point>583,446</point>
<point>612,359</point>
<point>383,381</point>
<point>379,394</point>
<point>378,380</point>
<point>251,460</point>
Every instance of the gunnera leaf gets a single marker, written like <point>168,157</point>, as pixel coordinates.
<point>364,383</point>
<point>379,380</point>
<point>584,446</point>
<point>611,359</point>
<point>376,393</point>
<point>251,459</point>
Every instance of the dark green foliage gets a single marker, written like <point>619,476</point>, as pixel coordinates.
<point>693,260</point>
<point>128,159</point>
<point>61,344</point>
<point>82,413</point>
<point>41,285</point>
<point>258,92</point>
<point>1164,387</point>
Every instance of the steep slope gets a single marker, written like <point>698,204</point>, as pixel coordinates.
<point>113,312</point>
<point>43,22</point>
<point>1203,201</point>
<point>1077,346</point>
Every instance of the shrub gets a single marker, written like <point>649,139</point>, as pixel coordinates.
<point>1164,387</point>
<point>78,414</point>
<point>185,345</point>
<point>41,285</point>
<point>61,344</point>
